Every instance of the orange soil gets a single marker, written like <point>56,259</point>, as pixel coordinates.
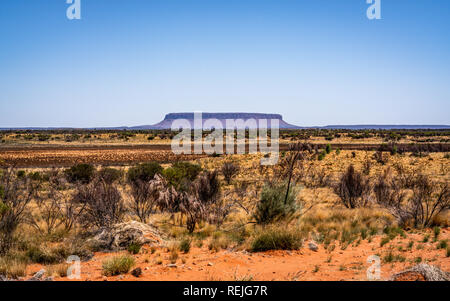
<point>203,264</point>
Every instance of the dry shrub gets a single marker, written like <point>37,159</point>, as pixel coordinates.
<point>16,195</point>
<point>59,270</point>
<point>353,189</point>
<point>381,157</point>
<point>229,170</point>
<point>117,265</point>
<point>428,201</point>
<point>146,196</point>
<point>12,267</point>
<point>276,238</point>
<point>102,203</point>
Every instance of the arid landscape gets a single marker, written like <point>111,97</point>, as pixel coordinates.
<point>337,204</point>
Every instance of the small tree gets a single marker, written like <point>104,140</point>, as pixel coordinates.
<point>146,197</point>
<point>15,195</point>
<point>353,188</point>
<point>229,170</point>
<point>102,202</point>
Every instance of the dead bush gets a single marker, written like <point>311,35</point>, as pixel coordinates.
<point>420,210</point>
<point>229,170</point>
<point>146,196</point>
<point>16,194</point>
<point>102,203</point>
<point>353,188</point>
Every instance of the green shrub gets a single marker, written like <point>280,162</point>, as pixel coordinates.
<point>273,204</point>
<point>143,172</point>
<point>436,232</point>
<point>328,148</point>
<point>110,175</point>
<point>117,265</point>
<point>321,156</point>
<point>35,176</point>
<point>21,174</point>
<point>442,244</point>
<point>185,245</point>
<point>181,171</point>
<point>134,248</point>
<point>276,239</point>
<point>82,173</point>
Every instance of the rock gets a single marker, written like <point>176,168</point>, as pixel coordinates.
<point>123,234</point>
<point>37,276</point>
<point>210,264</point>
<point>422,272</point>
<point>121,277</point>
<point>136,272</point>
<point>171,265</point>
<point>313,246</point>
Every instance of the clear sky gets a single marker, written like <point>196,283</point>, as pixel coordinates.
<point>316,62</point>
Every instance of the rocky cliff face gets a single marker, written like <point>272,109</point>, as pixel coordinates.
<point>222,118</point>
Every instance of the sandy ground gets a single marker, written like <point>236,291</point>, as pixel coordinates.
<point>199,264</point>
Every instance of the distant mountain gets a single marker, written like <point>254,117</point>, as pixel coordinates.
<point>166,123</point>
<point>387,127</point>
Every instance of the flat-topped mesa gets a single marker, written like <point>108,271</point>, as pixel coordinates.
<point>222,117</point>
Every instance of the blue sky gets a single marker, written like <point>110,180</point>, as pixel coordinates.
<point>316,62</point>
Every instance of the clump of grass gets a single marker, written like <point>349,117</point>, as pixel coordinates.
<point>276,239</point>
<point>436,232</point>
<point>173,257</point>
<point>12,267</point>
<point>418,259</point>
<point>448,252</point>
<point>390,257</point>
<point>57,269</point>
<point>384,241</point>
<point>442,244</point>
<point>185,245</point>
<point>426,238</point>
<point>410,244</point>
<point>117,265</point>
<point>134,248</point>
<point>316,269</point>
<point>218,242</point>
<point>42,255</point>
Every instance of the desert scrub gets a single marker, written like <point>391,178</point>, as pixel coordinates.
<point>442,244</point>
<point>117,265</point>
<point>134,248</point>
<point>185,245</point>
<point>436,232</point>
<point>276,239</point>
<point>12,267</point>
<point>57,270</point>
<point>274,205</point>
<point>218,242</point>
